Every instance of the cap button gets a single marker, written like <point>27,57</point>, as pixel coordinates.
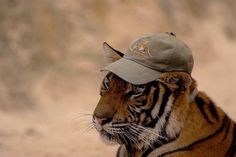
<point>171,33</point>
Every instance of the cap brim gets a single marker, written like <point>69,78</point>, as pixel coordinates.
<point>132,72</point>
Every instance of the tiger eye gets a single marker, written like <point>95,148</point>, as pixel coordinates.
<point>138,89</point>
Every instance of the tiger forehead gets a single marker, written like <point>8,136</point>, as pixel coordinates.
<point>116,82</point>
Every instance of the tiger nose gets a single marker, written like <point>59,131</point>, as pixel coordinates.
<point>102,121</point>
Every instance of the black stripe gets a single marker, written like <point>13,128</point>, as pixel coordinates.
<point>166,124</point>
<point>200,105</point>
<point>130,111</point>
<point>137,117</point>
<point>128,144</point>
<point>153,122</point>
<point>118,152</point>
<point>131,118</point>
<point>213,110</point>
<point>161,141</point>
<point>130,149</point>
<point>164,101</point>
<point>147,89</point>
<point>144,102</point>
<point>232,150</point>
<point>227,125</point>
<point>148,112</point>
<point>155,96</point>
<point>146,93</point>
<point>190,146</point>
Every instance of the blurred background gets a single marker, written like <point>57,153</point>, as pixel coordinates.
<point>51,53</point>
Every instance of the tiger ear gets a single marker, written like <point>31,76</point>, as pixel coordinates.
<point>176,80</point>
<point>111,54</point>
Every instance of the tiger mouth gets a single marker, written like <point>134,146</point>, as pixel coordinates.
<point>109,138</point>
<point>104,133</point>
<point>114,134</point>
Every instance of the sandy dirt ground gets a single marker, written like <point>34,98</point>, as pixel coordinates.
<point>54,54</point>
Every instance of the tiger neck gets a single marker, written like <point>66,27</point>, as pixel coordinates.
<point>171,132</point>
<point>133,151</point>
<point>188,136</point>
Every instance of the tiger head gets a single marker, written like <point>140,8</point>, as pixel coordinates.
<point>142,115</point>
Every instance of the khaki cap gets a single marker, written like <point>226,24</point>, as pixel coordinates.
<point>149,56</point>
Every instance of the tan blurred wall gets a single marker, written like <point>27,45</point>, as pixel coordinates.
<point>41,35</point>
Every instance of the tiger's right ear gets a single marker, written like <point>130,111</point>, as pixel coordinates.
<point>179,81</point>
<point>111,54</point>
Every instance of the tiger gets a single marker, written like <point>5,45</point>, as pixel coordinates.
<point>167,117</point>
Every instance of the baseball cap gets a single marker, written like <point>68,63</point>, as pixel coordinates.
<point>149,56</point>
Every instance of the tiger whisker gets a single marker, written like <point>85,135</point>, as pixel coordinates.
<point>120,134</point>
<point>82,115</point>
<point>143,139</point>
<point>118,131</point>
<point>149,131</point>
<point>131,137</point>
<point>88,128</point>
<point>123,137</point>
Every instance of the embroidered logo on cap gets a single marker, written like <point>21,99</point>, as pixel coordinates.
<point>141,48</point>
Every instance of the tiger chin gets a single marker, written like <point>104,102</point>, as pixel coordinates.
<point>167,117</point>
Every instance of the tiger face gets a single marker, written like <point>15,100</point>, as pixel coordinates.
<point>138,115</point>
